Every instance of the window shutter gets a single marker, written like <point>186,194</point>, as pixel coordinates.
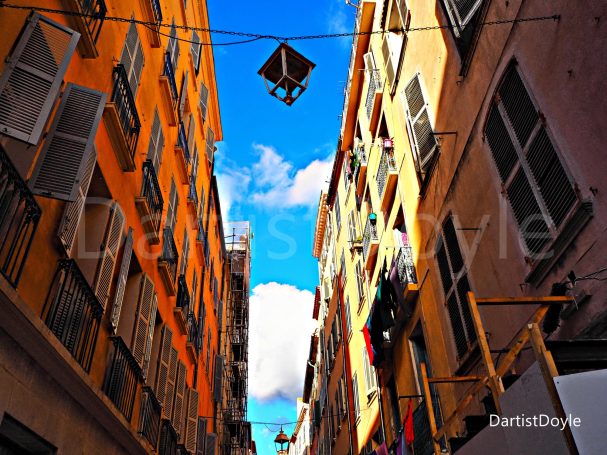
<point>464,10</point>
<point>156,142</point>
<point>170,384</point>
<point>32,77</point>
<point>122,277</point>
<point>203,100</point>
<point>132,58</point>
<point>172,208</point>
<point>502,150</point>
<point>66,152</point>
<point>148,349</point>
<point>142,320</point>
<point>211,438</point>
<point>518,105</point>
<point>73,210</point>
<point>178,408</point>
<point>443,265</point>
<point>387,54</point>
<point>164,360</point>
<point>111,244</point>
<point>196,50</point>
<point>184,93</point>
<point>173,47</point>
<point>184,252</point>
<point>202,436</point>
<point>210,144</point>
<point>191,132</point>
<point>424,142</point>
<point>455,255</point>
<point>191,425</point>
<point>218,381</point>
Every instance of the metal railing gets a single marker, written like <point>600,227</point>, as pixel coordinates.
<point>157,10</point>
<point>193,336</point>
<point>149,416</point>
<point>94,12</point>
<point>73,312</point>
<point>168,439</point>
<point>122,378</point>
<point>123,98</point>
<point>193,193</point>
<point>169,252</point>
<point>375,86</point>
<point>183,296</point>
<point>19,216</point>
<point>422,444</point>
<point>182,142</point>
<point>387,163</point>
<point>170,74</point>
<point>362,154</point>
<point>406,266</point>
<point>370,234</point>
<point>150,190</point>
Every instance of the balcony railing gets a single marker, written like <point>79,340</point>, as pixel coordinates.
<point>73,313</point>
<point>19,216</point>
<point>157,10</point>
<point>183,142</point>
<point>170,74</point>
<point>168,439</point>
<point>422,444</point>
<point>150,190</point>
<point>387,163</point>
<point>183,296</point>
<point>375,85</point>
<point>149,416</point>
<point>369,235</point>
<point>406,266</point>
<point>193,193</point>
<point>169,253</point>
<point>125,105</point>
<point>122,378</point>
<point>193,336</point>
<point>94,12</point>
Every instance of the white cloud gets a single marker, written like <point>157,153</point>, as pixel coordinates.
<point>232,184</point>
<point>280,328</point>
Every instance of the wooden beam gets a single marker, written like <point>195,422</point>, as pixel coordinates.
<point>455,379</point>
<point>550,300</point>
<point>429,407</point>
<point>549,372</point>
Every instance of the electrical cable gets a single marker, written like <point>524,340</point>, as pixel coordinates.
<point>258,36</point>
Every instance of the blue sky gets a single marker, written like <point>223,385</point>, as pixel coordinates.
<point>271,166</point>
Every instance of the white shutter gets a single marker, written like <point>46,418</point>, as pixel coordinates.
<point>156,142</point>
<point>148,348</point>
<point>122,277</point>
<point>178,404</point>
<point>196,50</point>
<point>66,152</point>
<point>191,421</point>
<point>132,58</point>
<point>203,100</point>
<point>463,10</point>
<point>145,302</point>
<point>389,65</point>
<point>210,144</point>
<point>73,210</point>
<point>111,243</point>
<point>164,360</point>
<point>32,77</point>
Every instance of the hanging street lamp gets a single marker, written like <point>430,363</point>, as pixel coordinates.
<point>286,73</point>
<point>282,443</point>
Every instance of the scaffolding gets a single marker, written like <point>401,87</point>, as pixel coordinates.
<point>235,433</point>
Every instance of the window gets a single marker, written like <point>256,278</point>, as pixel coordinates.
<point>183,96</point>
<point>185,252</point>
<point>395,40</point>
<point>132,58</point>
<point>337,212</point>
<point>360,285</point>
<point>207,365</point>
<point>156,142</point>
<point>355,398</point>
<point>419,128</point>
<point>540,191</point>
<point>16,438</point>
<point>30,85</point>
<point>210,138</point>
<point>196,50</point>
<point>455,285</point>
<point>171,217</point>
<point>203,101</point>
<point>370,379</point>
<point>346,173</point>
<point>173,45</point>
<point>348,317</point>
<point>464,17</point>
<point>342,266</point>
<point>352,236</point>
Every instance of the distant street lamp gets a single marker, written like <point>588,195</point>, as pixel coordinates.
<point>282,443</point>
<point>286,73</point>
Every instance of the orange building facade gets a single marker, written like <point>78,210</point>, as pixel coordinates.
<point>113,255</point>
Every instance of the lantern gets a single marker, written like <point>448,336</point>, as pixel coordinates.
<point>286,73</point>
<point>282,443</point>
<point>388,144</point>
<point>373,218</point>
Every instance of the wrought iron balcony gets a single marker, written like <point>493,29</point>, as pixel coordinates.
<point>193,193</point>
<point>169,256</point>
<point>150,203</point>
<point>168,439</point>
<point>182,142</point>
<point>19,216</point>
<point>170,74</point>
<point>149,416</point>
<point>122,378</point>
<point>123,99</point>
<point>94,12</point>
<point>73,313</point>
<point>370,235</point>
<point>183,296</point>
<point>387,164</point>
<point>406,266</point>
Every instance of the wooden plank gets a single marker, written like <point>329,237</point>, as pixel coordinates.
<point>550,300</point>
<point>429,407</point>
<point>463,404</point>
<point>455,379</point>
<point>549,372</point>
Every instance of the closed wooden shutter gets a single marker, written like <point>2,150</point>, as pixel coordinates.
<point>178,404</point>
<point>63,159</point>
<point>387,54</point>
<point>184,252</point>
<point>122,277</point>
<point>196,50</point>
<point>132,58</point>
<point>156,142</point>
<point>111,243</point>
<point>73,210</point>
<point>218,381</point>
<point>211,441</point>
<point>183,94</point>
<point>453,250</point>
<point>191,423</point>
<point>191,132</point>
<point>173,46</point>
<point>210,144</point>
<point>502,149</point>
<point>32,77</point>
<point>202,436</point>
<point>463,10</point>
<point>142,319</point>
<point>172,208</point>
<point>148,347</point>
<point>164,360</point>
<point>203,100</point>
<point>418,120</point>
<point>170,385</point>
